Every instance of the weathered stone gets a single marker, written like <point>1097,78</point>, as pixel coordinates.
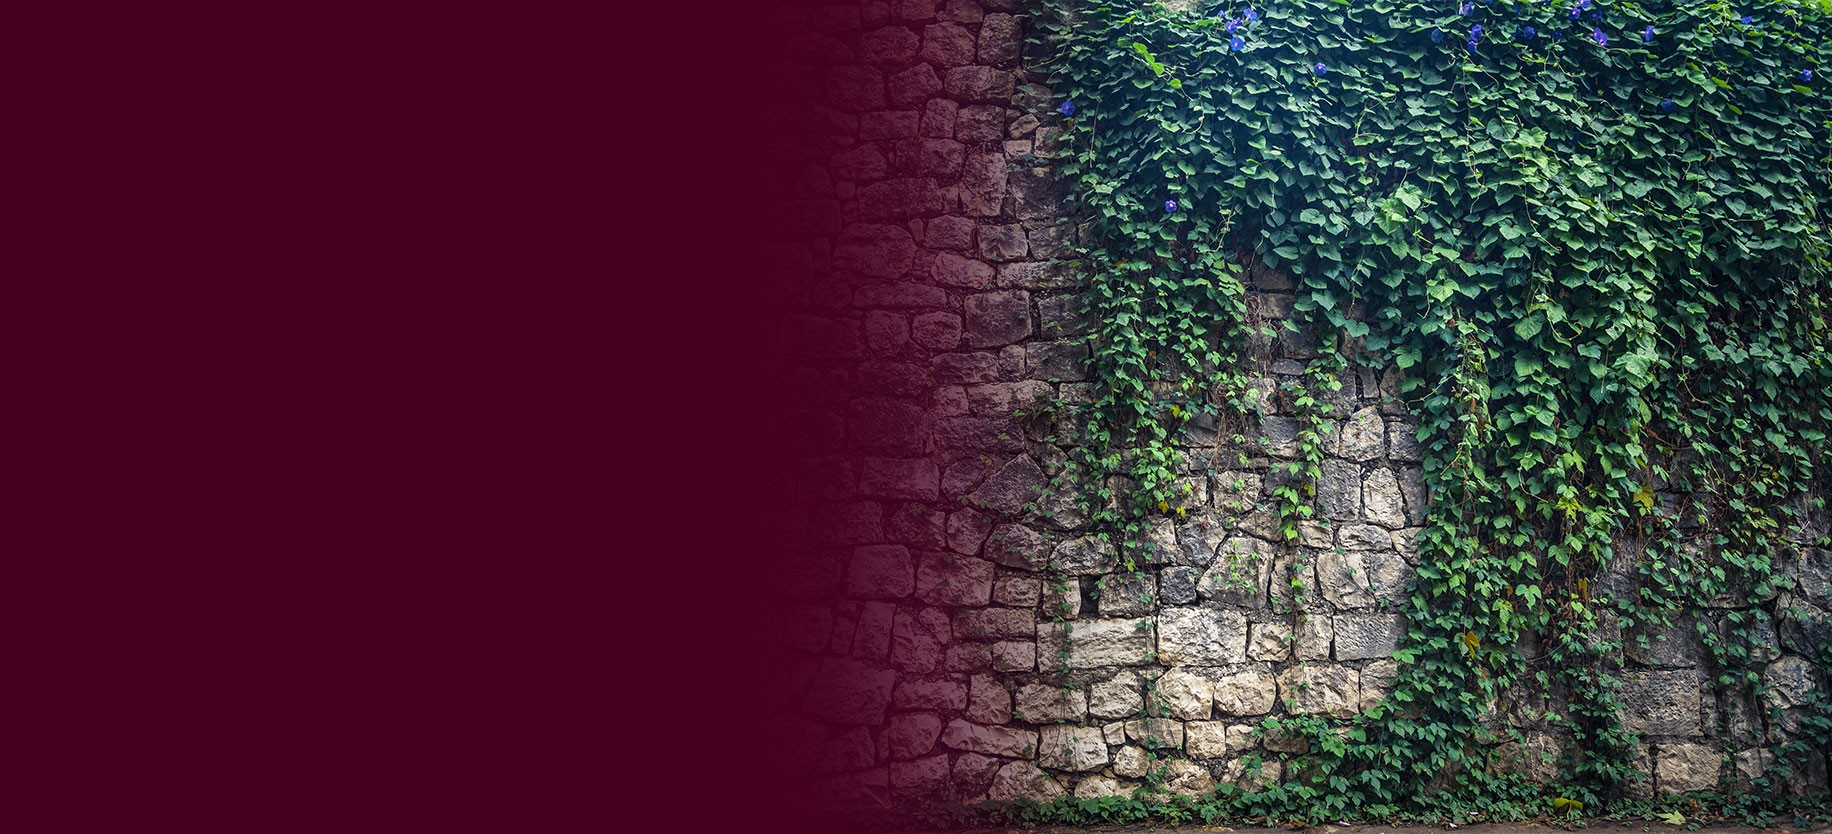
<point>1114,733</point>
<point>1155,733</point>
<point>998,44</point>
<point>1280,436</point>
<point>1127,594</point>
<point>1095,643</point>
<point>1803,628</point>
<point>1252,776</point>
<point>947,45</point>
<point>855,89</point>
<point>1269,641</point>
<point>1219,739</point>
<point>917,640</point>
<point>871,639</point>
<point>961,11</point>
<point>1344,578</point>
<point>1376,681</point>
<point>1016,591</point>
<point>1249,689</point>
<point>889,45</point>
<point>875,251</point>
<point>979,124</point>
<point>997,318</point>
<point>1014,656</point>
<point>1056,361</point>
<point>1315,632</point>
<point>899,478</point>
<point>920,778</point>
<point>1339,490</point>
<point>1178,585</point>
<point>967,530</point>
<point>1683,768</point>
<point>1362,437</point>
<point>1364,537</point>
<point>1038,703</point>
<point>988,623</point>
<point>1536,761</point>
<point>1061,598</point>
<point>1015,546</point>
<point>1367,636</point>
<point>847,691</point>
<point>889,124</point>
<point>1072,748</point>
<point>1381,501</point>
<point>982,185</point>
<point>861,163</point>
<point>1750,765</point>
<point>1676,644</point>
<point>1003,243</point>
<point>1131,762</point>
<point>1085,555</point>
<point>1320,689</point>
<point>1061,316</point>
<point>950,579</point>
<point>1186,778</point>
<point>881,572</point>
<point>1791,682</point>
<point>1240,573</point>
<point>1023,780</point>
<point>913,734</point>
<point>1418,503</point>
<point>1095,787</point>
<point>1183,693</point>
<point>913,86</point>
<point>1661,703</point>
<point>1014,485</point>
<point>938,117</point>
<point>1116,698</point>
<point>1201,636</point>
<point>1035,275</point>
<point>978,84</point>
<point>973,773</point>
<point>1038,193</point>
<point>930,695</point>
<point>992,741</point>
<point>989,703</point>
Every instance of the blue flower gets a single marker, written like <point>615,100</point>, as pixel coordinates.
<point>1558,33</point>
<point>1252,15</point>
<point>1748,20</point>
<point>1647,35</point>
<point>1170,206</point>
<point>1583,4</point>
<point>1437,36</point>
<point>1232,25</point>
<point>1319,68</point>
<point>1599,37</point>
<point>1576,13</point>
<point>1068,108</point>
<point>1475,31</point>
<point>1527,33</point>
<point>1466,8</point>
<point>1668,105</point>
<point>1471,46</point>
<point>1806,75</point>
<point>1237,44</point>
<point>1596,14</point>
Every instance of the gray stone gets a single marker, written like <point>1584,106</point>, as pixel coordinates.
<point>1315,632</point>
<point>1038,193</point>
<point>1094,643</point>
<point>936,331</point>
<point>1791,682</point>
<point>1269,641</point>
<point>947,45</point>
<point>1186,778</point>
<point>1248,689</point>
<point>1320,689</point>
<point>913,86</point>
<point>1339,490</point>
<point>1114,732</point>
<point>1683,768</point>
<point>1381,500</point>
<point>1217,740</point>
<point>1676,644</point>
<point>967,530</point>
<point>1018,547</point>
<point>1402,442</point>
<point>1536,761</point>
<point>999,40</point>
<point>1364,537</point>
<point>1236,493</point>
<point>979,124</point>
<point>1177,585</point>
<point>1038,703</point>
<point>1418,502</point>
<point>1240,573</point>
<point>926,777</point>
<point>973,773</point>
<point>1802,627</point>
<point>1016,483</point>
<point>997,318</point>
<point>1183,693</point>
<point>917,640</point>
<point>1131,762</point>
<point>1003,243</point>
<point>1344,578</point>
<point>1362,437</point>
<point>913,734</point>
<point>991,741</point>
<point>1201,636</point>
<point>1085,555</point>
<point>1014,656</point>
<point>1072,748</point>
<point>1023,780</point>
<point>1095,787</point>
<point>1281,436</point>
<point>1116,698</point>
<point>1127,594</point>
<point>1252,777</point>
<point>1661,703</point>
<point>1377,680</point>
<point>986,623</point>
<point>978,84</point>
<point>1056,361</point>
<point>855,89</point>
<point>1367,636</point>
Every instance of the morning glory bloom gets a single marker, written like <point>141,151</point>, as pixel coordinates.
<point>1475,31</point>
<point>1068,108</point>
<point>1527,33</point>
<point>1319,68</point>
<point>1806,75</point>
<point>1576,13</point>
<point>1437,36</point>
<point>1558,33</point>
<point>1252,15</point>
<point>1232,25</point>
<point>1748,20</point>
<point>1647,35</point>
<point>1668,105</point>
<point>1601,39</point>
<point>1237,44</point>
<point>1471,46</point>
<point>1170,206</point>
<point>1466,8</point>
<point>1583,4</point>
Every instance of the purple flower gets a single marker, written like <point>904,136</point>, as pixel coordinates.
<point>1475,31</point>
<point>1748,20</point>
<point>1471,46</point>
<point>1068,108</point>
<point>1252,15</point>
<point>1596,14</point>
<point>1583,4</point>
<point>1806,75</point>
<point>1237,44</point>
<point>1576,13</point>
<point>1558,33</point>
<point>1170,206</point>
<point>1232,25</point>
<point>1668,105</point>
<point>1647,35</point>
<point>1437,36</point>
<point>1599,37</point>
<point>1527,33</point>
<point>1319,68</point>
<point>1466,8</point>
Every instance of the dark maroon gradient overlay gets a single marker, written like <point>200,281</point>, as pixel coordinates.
<point>889,171</point>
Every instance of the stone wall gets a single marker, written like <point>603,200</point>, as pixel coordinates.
<point>920,236</point>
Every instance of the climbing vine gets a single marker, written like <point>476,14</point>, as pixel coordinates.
<point>1593,237</point>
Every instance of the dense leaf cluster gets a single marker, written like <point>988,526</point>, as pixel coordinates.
<point>1593,235</point>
